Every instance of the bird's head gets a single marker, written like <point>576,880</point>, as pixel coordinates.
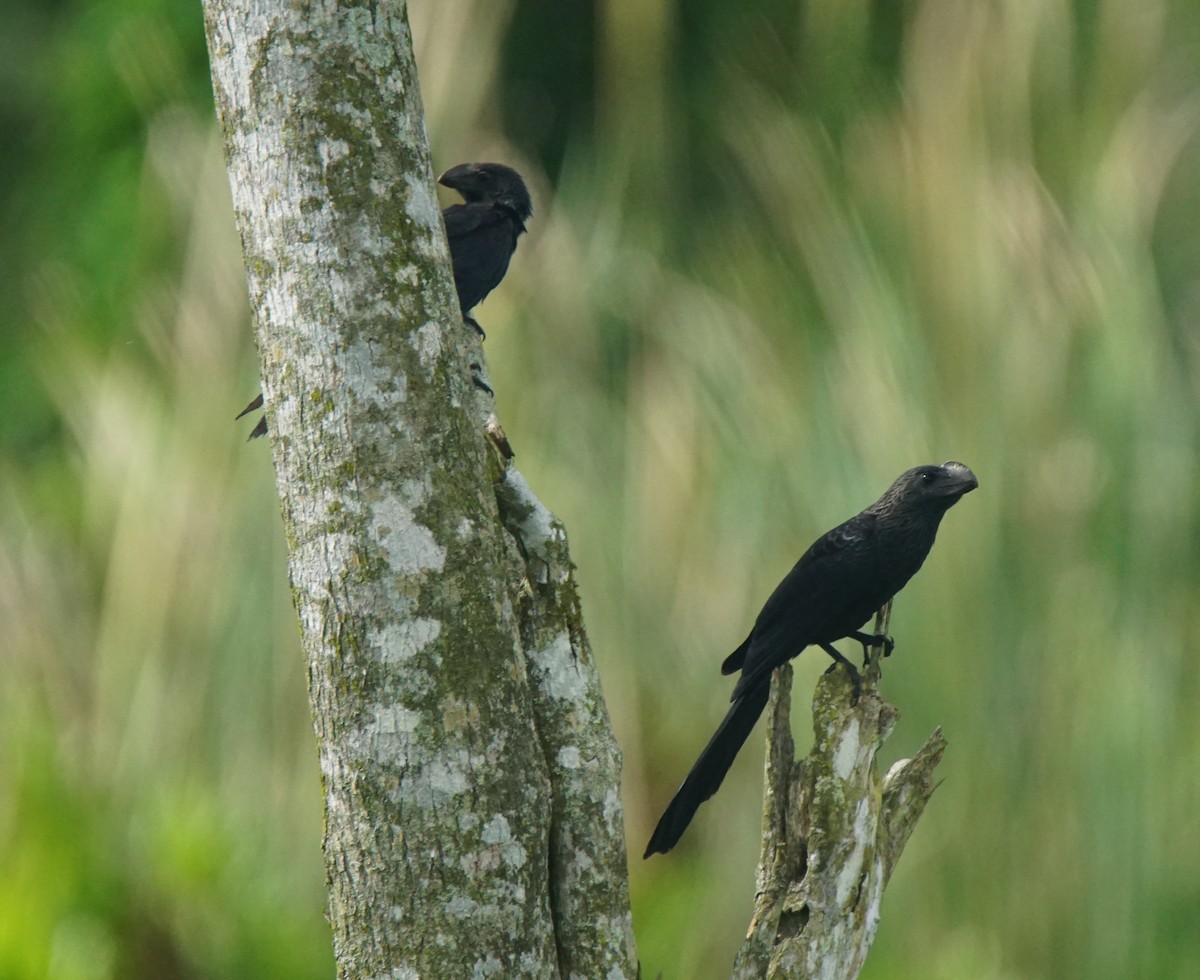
<point>490,183</point>
<point>931,487</point>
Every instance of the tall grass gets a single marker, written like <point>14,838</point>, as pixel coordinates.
<point>796,255</point>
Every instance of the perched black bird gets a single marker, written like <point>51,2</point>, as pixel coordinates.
<point>482,233</point>
<point>837,585</point>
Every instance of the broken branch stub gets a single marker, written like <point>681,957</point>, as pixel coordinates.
<point>833,829</point>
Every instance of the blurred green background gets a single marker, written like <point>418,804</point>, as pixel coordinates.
<point>781,251</point>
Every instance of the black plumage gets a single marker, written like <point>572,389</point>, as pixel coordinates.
<point>482,234</point>
<point>837,585</point>
<point>260,429</point>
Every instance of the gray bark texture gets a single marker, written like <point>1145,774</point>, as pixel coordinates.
<point>833,829</point>
<point>473,825</point>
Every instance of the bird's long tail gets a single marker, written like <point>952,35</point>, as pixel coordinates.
<point>710,769</point>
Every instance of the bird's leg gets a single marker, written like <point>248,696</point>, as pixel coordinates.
<point>855,676</point>
<point>869,640</point>
<point>470,322</point>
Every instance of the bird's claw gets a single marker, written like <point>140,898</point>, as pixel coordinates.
<point>471,322</point>
<point>478,382</point>
<point>871,640</point>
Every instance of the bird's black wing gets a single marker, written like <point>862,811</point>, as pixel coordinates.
<point>804,578</point>
<point>820,600</point>
<point>462,219</point>
<point>482,239</point>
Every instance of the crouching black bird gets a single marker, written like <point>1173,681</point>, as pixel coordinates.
<point>836,586</point>
<point>482,234</point>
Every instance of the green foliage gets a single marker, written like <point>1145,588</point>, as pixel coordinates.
<point>790,251</point>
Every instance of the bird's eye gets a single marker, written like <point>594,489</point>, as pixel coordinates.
<point>928,476</point>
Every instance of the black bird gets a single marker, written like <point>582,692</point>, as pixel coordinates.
<point>482,234</point>
<point>837,585</point>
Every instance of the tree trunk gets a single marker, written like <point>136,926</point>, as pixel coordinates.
<point>833,829</point>
<point>473,823</point>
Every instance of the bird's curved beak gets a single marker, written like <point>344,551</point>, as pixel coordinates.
<point>454,177</point>
<point>962,480</point>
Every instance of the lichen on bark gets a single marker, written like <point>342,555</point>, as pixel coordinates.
<point>448,844</point>
<point>588,863</point>
<point>833,829</point>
